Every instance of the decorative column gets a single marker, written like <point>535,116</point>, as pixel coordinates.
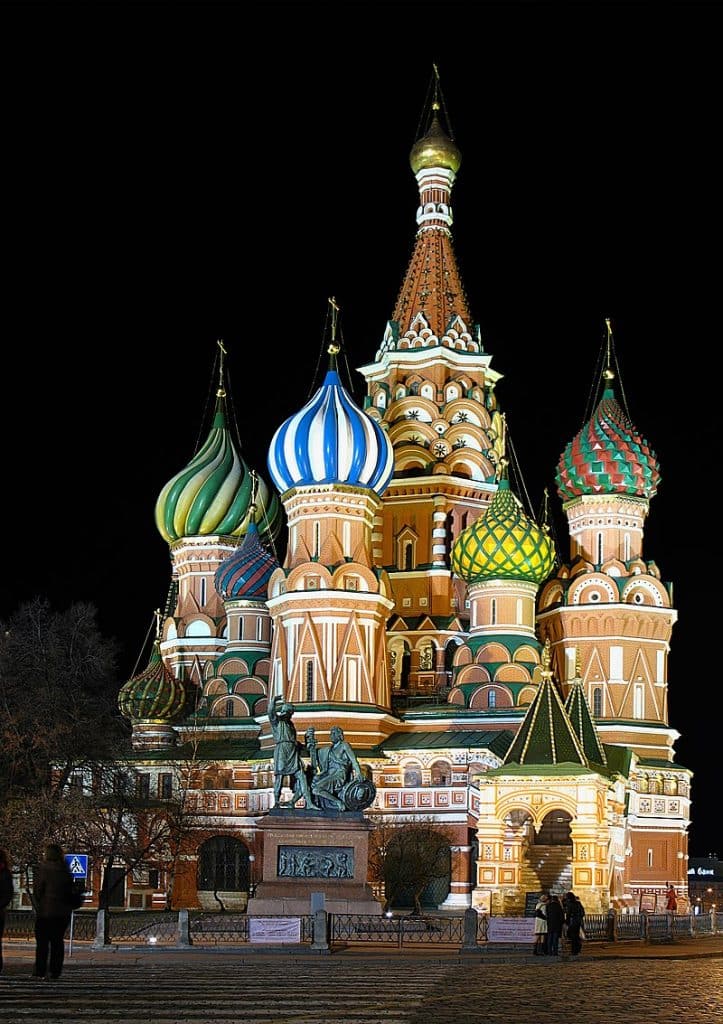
<point>460,889</point>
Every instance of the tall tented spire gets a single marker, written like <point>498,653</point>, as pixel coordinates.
<point>546,735</point>
<point>432,297</point>
<point>579,714</point>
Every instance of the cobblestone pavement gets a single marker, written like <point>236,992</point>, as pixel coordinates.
<point>363,990</point>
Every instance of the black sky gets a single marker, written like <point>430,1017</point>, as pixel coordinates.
<point>178,174</point>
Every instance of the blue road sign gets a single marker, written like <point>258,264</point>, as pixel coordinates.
<point>78,864</point>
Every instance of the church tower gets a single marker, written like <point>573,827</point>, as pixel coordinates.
<point>431,386</point>
<point>202,513</point>
<point>608,606</point>
<point>328,603</point>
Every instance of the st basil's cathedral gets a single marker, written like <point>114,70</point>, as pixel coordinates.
<point>483,682</point>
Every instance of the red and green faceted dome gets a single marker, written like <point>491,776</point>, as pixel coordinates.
<point>608,456</point>
<point>155,695</point>
<point>504,543</point>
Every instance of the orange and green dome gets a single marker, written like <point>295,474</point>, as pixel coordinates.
<point>608,456</point>
<point>504,543</point>
<point>214,494</point>
<point>155,695</point>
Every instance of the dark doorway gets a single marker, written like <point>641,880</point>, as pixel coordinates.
<point>555,830</point>
<point>116,887</point>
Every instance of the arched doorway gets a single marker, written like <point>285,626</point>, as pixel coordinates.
<point>555,829</point>
<point>223,874</point>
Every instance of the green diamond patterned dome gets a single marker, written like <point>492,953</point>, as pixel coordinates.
<point>155,695</point>
<point>503,543</point>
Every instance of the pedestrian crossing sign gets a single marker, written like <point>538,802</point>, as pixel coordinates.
<point>78,864</point>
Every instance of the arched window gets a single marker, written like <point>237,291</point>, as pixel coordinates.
<point>493,611</point>
<point>413,777</point>
<point>408,553</point>
<point>492,698</point>
<point>202,591</point>
<point>441,774</point>
<point>229,710</point>
<point>638,701</point>
<point>599,548</point>
<point>597,702</point>
<point>223,865</point>
<point>309,695</point>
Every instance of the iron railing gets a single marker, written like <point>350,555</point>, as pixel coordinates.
<point>397,931</point>
<point>213,928</point>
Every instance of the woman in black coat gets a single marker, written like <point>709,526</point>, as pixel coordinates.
<point>6,896</point>
<point>555,919</point>
<point>574,913</point>
<point>53,902</point>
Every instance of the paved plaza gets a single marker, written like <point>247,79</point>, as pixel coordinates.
<point>654,985</point>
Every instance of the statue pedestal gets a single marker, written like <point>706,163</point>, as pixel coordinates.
<point>314,851</point>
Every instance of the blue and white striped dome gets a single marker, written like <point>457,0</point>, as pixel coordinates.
<point>331,441</point>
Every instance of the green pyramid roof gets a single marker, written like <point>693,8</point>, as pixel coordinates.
<point>579,714</point>
<point>546,735</point>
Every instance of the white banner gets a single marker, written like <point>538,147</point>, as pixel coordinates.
<point>274,929</point>
<point>511,929</point>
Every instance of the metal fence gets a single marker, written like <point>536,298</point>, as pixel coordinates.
<point>396,931</point>
<point>211,928</point>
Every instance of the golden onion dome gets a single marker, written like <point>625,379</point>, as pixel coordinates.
<point>435,149</point>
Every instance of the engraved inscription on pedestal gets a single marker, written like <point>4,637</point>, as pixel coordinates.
<point>316,862</point>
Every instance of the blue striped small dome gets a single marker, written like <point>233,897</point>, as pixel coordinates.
<point>331,441</point>
<point>246,573</point>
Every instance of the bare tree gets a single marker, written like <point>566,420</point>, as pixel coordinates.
<point>406,856</point>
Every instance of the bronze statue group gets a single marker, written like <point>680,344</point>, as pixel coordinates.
<point>333,779</point>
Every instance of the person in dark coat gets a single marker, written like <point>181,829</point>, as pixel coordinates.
<point>555,920</point>
<point>6,896</point>
<point>574,913</point>
<point>53,902</point>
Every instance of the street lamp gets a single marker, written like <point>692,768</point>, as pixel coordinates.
<point>252,884</point>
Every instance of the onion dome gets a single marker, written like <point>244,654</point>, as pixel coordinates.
<point>246,573</point>
<point>504,543</point>
<point>435,149</point>
<point>331,441</point>
<point>155,694</point>
<point>214,494</point>
<point>608,456</point>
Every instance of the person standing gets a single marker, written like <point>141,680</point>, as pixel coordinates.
<point>671,900</point>
<point>540,926</point>
<point>6,895</point>
<point>555,920</point>
<point>53,902</point>
<point>574,914</point>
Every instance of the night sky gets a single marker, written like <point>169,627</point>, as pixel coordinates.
<point>178,174</point>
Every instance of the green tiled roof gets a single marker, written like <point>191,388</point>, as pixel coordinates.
<point>546,736</point>
<point>579,714</point>
<point>496,741</point>
<point>560,768</point>
<point>618,758</point>
<point>652,762</point>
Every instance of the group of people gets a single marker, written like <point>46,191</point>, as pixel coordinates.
<point>555,917</point>
<point>53,902</point>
